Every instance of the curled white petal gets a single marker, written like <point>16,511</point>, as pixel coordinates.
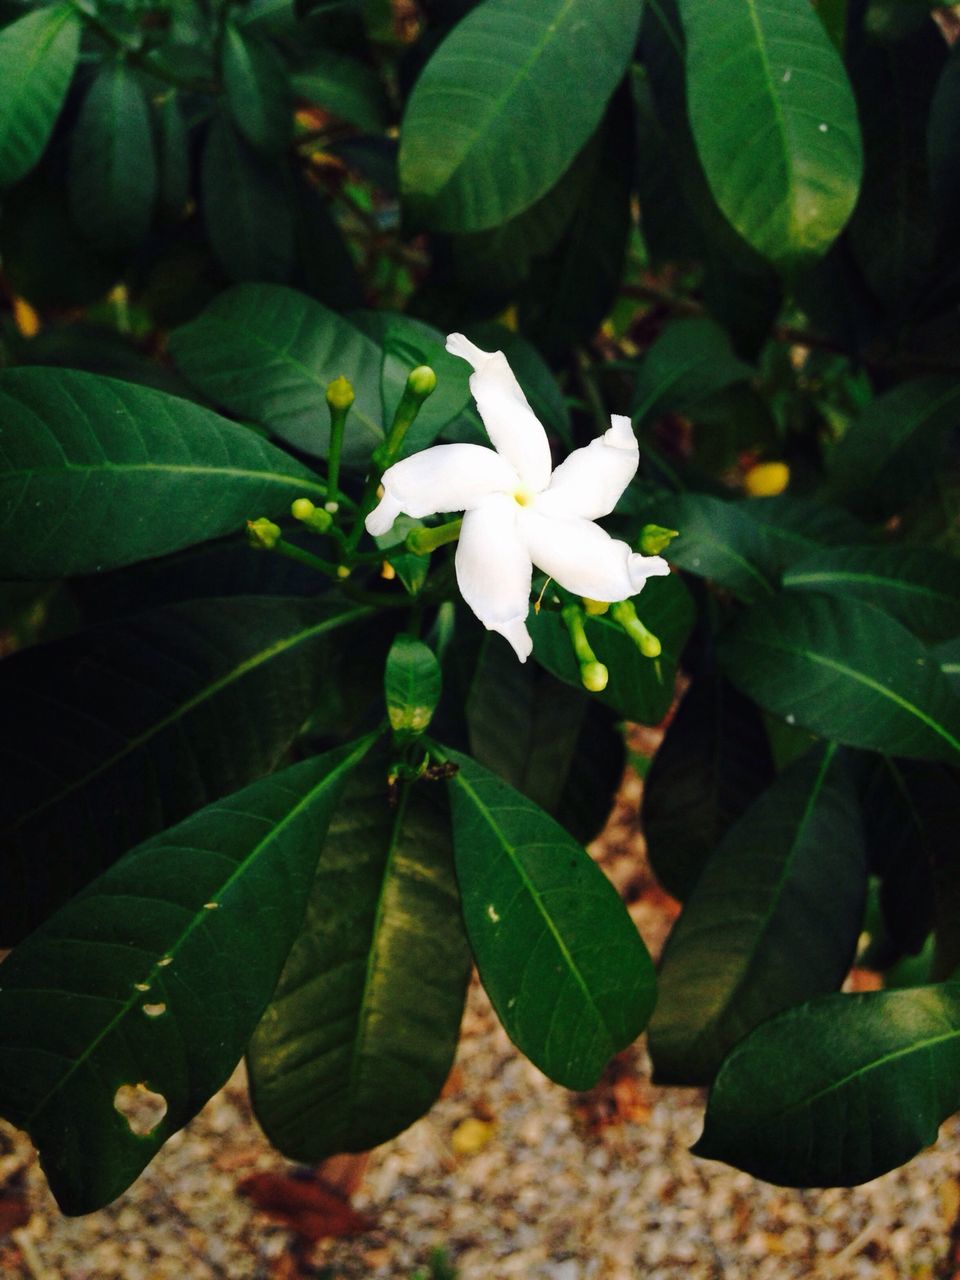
<point>584,559</point>
<point>511,424</point>
<point>590,481</point>
<point>448,477</point>
<point>494,572</point>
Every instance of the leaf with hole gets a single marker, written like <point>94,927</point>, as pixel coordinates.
<point>95,474</point>
<point>772,920</point>
<point>817,1096</point>
<point>156,976</point>
<point>559,956</point>
<point>361,1032</point>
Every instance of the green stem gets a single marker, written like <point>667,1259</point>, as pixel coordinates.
<point>422,541</point>
<point>305,557</point>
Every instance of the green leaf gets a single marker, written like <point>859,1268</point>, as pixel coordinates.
<point>559,956</point>
<point>113,166</point>
<point>918,586</point>
<point>690,360</point>
<point>745,546</point>
<point>890,454</point>
<point>840,1090</point>
<point>714,760</point>
<point>507,93</point>
<point>775,122</point>
<point>943,141</point>
<point>96,473</point>
<point>411,685</point>
<point>844,669</point>
<point>346,87</point>
<point>268,354</point>
<point>173,159</point>
<point>639,687</point>
<point>246,210</point>
<point>257,89</point>
<point>38,55</point>
<point>772,920</point>
<point>362,1030</point>
<point>130,726</point>
<point>156,976</point>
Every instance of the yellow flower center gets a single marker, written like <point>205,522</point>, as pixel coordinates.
<point>523,497</point>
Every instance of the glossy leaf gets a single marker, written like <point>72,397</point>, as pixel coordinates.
<point>890,453</point>
<point>96,473</point>
<point>559,956</point>
<point>257,89</point>
<point>268,354</point>
<point>507,93</point>
<point>713,761</point>
<point>113,165</point>
<point>639,687</point>
<point>817,1096</point>
<point>920,587</point>
<point>411,685</point>
<point>745,546</point>
<point>156,976</point>
<point>38,55</point>
<point>772,920</point>
<point>846,670</point>
<point>690,360</point>
<point>361,1032</point>
<point>246,211</point>
<point>130,726</point>
<point>775,122</point>
<point>346,87</point>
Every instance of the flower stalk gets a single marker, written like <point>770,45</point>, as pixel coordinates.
<point>625,614</point>
<point>422,541</point>
<point>340,396</point>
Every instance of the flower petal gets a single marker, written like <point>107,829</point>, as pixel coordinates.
<point>448,477</point>
<point>590,481</point>
<point>494,572</point>
<point>510,422</point>
<point>584,559</point>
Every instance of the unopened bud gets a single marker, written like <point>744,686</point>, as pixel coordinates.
<point>594,676</point>
<point>263,533</point>
<point>340,394</point>
<point>316,518</point>
<point>421,381</point>
<point>625,615</point>
<point>595,608</point>
<point>654,538</point>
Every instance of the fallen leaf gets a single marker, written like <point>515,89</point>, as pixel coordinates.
<point>618,1097</point>
<point>305,1205</point>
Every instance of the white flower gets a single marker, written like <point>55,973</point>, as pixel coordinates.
<point>518,514</point>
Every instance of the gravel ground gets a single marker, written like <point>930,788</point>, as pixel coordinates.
<point>512,1176</point>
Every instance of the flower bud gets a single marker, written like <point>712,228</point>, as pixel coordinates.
<point>316,518</point>
<point>594,676</point>
<point>340,394</point>
<point>654,538</point>
<point>625,615</point>
<point>595,608</point>
<point>421,381</point>
<point>263,533</point>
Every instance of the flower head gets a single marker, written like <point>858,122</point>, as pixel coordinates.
<point>518,511</point>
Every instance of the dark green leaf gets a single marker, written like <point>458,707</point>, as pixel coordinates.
<point>156,976</point>
<point>691,360</point>
<point>245,207</point>
<point>113,165</point>
<point>640,688</point>
<point>772,920</point>
<point>840,1090</point>
<point>557,952</point>
<point>507,93</point>
<point>714,760</point>
<point>344,86</point>
<point>173,157</point>
<point>96,473</point>
<point>943,141</point>
<point>846,670</point>
<point>128,727</point>
<point>362,1030</point>
<point>257,88</point>
<point>268,354</point>
<point>918,586</point>
<point>889,455</point>
<point>775,122</point>
<point>38,54</point>
<point>411,684</point>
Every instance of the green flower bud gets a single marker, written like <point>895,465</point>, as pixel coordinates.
<point>263,533</point>
<point>594,676</point>
<point>595,608</point>
<point>316,518</point>
<point>654,538</point>
<point>340,394</point>
<point>625,615</point>
<point>421,381</point>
